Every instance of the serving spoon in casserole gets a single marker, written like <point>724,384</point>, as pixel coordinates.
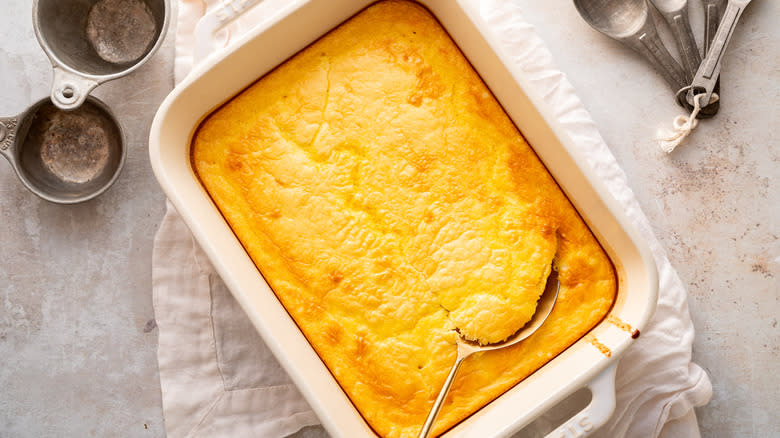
<point>466,347</point>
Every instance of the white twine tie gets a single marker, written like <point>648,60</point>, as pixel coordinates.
<point>683,125</point>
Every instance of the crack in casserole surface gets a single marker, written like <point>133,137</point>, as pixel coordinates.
<point>388,199</point>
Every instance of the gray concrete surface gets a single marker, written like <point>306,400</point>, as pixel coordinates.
<point>77,333</point>
<point>714,203</point>
<point>78,344</point>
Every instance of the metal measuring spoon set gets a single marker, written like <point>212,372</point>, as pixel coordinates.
<point>69,148</point>
<point>629,22</point>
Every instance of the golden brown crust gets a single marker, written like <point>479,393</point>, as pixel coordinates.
<point>387,199</point>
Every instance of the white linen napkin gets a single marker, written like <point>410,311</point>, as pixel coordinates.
<point>219,379</point>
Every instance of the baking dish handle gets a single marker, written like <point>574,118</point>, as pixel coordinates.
<point>216,19</point>
<point>598,411</point>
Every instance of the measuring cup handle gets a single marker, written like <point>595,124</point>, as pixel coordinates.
<point>8,128</point>
<point>69,90</point>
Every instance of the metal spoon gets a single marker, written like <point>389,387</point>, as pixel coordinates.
<point>466,348</point>
<point>629,22</point>
<point>709,70</point>
<point>713,10</point>
<point>675,12</point>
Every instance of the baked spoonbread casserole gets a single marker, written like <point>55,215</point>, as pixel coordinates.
<point>392,205</point>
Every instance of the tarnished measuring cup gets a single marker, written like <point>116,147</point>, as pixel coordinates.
<point>64,157</point>
<point>93,41</point>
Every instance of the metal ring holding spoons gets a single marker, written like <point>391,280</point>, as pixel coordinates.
<point>466,348</point>
<point>90,42</point>
<point>65,157</point>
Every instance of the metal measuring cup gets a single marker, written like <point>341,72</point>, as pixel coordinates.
<point>90,42</point>
<point>64,157</point>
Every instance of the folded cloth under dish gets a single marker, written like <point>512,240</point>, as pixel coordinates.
<point>219,379</point>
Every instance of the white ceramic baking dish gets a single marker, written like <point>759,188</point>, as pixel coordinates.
<point>280,35</point>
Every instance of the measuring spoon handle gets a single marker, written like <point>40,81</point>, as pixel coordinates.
<point>647,42</point>
<point>686,43</point>
<point>713,9</point>
<point>709,70</point>
<point>712,14</point>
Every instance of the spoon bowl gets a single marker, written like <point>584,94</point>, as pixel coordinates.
<point>466,347</point>
<point>616,19</point>
<point>629,22</point>
<point>543,309</point>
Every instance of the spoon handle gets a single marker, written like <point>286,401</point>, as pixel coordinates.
<point>426,429</point>
<point>686,43</point>
<point>709,70</point>
<point>712,13</point>
<point>713,9</point>
<point>650,46</point>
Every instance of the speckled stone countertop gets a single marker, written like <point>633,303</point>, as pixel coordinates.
<point>77,333</point>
